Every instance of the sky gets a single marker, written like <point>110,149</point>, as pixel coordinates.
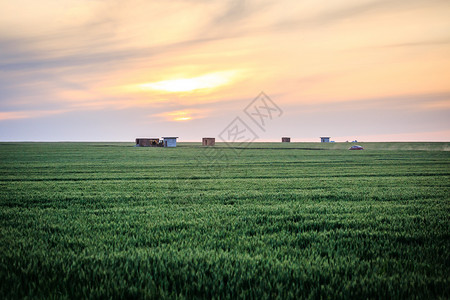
<point>94,70</point>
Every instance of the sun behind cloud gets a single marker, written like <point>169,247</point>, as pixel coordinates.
<point>183,115</point>
<point>207,81</point>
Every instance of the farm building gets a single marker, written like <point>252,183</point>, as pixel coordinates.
<point>170,141</point>
<point>156,142</point>
<point>208,141</point>
<point>285,139</point>
<point>148,142</point>
<point>324,139</point>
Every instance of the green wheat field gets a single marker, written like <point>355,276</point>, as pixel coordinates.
<point>273,220</point>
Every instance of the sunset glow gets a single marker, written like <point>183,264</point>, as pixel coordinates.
<point>181,115</point>
<point>108,70</point>
<point>207,81</point>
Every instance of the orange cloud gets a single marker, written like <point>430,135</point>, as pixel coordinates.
<point>207,81</point>
<point>182,115</point>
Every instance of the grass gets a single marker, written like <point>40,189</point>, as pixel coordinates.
<point>298,220</point>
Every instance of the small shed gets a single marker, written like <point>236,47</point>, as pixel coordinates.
<point>170,141</point>
<point>208,141</point>
<point>324,139</point>
<point>285,139</point>
<point>147,142</point>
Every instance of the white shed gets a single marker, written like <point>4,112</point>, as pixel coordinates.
<point>170,141</point>
<point>324,139</point>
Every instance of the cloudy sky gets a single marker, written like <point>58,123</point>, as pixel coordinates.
<point>93,70</point>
